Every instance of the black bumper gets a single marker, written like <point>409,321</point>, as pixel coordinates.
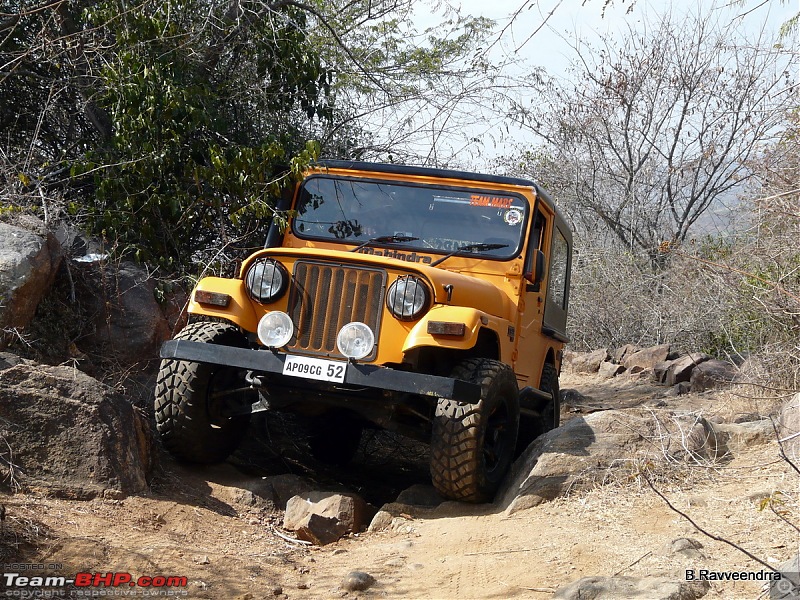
<point>357,375</point>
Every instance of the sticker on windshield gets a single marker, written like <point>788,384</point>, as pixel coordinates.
<point>490,201</point>
<point>513,216</point>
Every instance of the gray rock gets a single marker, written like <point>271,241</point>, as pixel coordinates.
<point>748,417</point>
<point>660,371</point>
<point>254,498</point>
<point>712,374</point>
<point>8,360</point>
<point>72,435</point>
<point>632,588</point>
<point>679,389</point>
<point>324,517</point>
<point>789,427</point>
<point>129,325</point>
<point>681,369</point>
<point>420,495</point>
<point>285,486</point>
<point>735,437</point>
<point>620,354</point>
<point>570,397</point>
<point>28,265</point>
<point>358,581</point>
<point>609,370</point>
<point>647,358</point>
<point>589,362</point>
<point>590,449</point>
<point>381,521</point>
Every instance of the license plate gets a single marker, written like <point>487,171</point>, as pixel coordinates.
<point>315,368</point>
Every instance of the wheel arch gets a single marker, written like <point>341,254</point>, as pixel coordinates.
<point>440,360</point>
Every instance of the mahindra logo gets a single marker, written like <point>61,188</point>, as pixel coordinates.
<point>389,253</point>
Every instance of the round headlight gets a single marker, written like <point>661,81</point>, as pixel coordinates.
<point>275,329</point>
<point>266,280</point>
<point>407,298</point>
<point>355,340</point>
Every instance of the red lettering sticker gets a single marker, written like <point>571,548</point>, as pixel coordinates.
<point>490,201</point>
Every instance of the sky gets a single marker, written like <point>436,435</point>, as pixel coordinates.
<point>545,40</point>
<point>566,19</point>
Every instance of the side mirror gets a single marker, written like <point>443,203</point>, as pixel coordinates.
<point>536,276</point>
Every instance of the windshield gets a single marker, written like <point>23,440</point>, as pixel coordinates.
<point>442,219</point>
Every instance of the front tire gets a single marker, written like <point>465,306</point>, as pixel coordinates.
<point>472,445</point>
<point>186,409</point>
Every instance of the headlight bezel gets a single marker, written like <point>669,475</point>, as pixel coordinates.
<point>420,302</point>
<point>277,288</point>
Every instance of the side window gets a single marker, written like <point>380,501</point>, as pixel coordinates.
<point>536,231</point>
<point>558,269</point>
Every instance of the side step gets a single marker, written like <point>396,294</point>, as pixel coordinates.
<point>532,400</point>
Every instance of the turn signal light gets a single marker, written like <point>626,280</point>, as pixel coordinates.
<point>213,298</point>
<point>447,328</point>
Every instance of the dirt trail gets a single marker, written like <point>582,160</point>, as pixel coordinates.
<point>202,524</point>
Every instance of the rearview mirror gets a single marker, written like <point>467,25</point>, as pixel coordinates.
<point>536,276</point>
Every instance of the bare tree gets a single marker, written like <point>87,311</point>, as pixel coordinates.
<point>429,96</point>
<point>653,131</point>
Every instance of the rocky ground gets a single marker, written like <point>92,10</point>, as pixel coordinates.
<point>209,526</point>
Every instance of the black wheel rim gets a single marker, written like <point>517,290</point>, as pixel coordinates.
<point>219,381</point>
<point>496,440</point>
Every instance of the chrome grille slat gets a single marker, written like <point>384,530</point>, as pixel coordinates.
<point>326,296</point>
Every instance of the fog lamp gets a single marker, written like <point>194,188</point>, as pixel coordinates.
<point>355,340</point>
<point>275,329</point>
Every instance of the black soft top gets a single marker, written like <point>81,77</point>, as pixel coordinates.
<point>423,172</point>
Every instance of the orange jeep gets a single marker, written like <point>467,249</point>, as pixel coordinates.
<point>424,301</point>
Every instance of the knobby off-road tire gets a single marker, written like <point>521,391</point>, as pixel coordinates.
<point>472,445</point>
<point>187,416</point>
<point>549,417</point>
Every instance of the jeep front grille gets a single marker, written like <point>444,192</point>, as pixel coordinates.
<point>324,297</point>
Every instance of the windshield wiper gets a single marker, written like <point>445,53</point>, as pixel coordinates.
<point>386,239</point>
<point>469,248</point>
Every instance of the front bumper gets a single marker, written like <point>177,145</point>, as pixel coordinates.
<point>356,375</point>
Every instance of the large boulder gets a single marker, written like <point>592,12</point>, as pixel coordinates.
<point>70,435</point>
<point>607,444</point>
<point>713,374</point>
<point>28,264</point>
<point>588,362</point>
<point>620,354</point>
<point>647,358</point>
<point>128,324</point>
<point>632,588</point>
<point>609,369</point>
<point>678,370</point>
<point>681,369</point>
